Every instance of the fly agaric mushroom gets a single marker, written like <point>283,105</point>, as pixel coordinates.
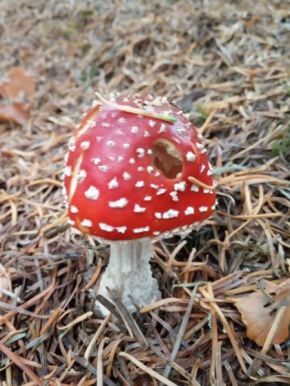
<point>136,170</point>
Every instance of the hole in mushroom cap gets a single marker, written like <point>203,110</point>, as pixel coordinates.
<point>167,158</point>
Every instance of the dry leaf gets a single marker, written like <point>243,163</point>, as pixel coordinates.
<point>13,112</point>
<point>17,91</point>
<point>17,82</point>
<point>258,312</point>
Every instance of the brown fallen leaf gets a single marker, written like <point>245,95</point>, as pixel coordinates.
<point>17,91</point>
<point>16,83</point>
<point>259,311</point>
<point>13,112</point>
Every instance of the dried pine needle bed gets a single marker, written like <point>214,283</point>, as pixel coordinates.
<point>225,63</point>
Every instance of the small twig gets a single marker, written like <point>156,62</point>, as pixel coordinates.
<point>196,182</point>
<point>127,318</point>
<point>147,369</point>
<point>133,110</point>
<point>182,329</point>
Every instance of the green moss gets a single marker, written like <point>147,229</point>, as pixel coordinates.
<point>90,73</point>
<point>282,146</point>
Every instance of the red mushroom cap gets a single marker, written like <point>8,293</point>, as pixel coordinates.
<point>127,174</point>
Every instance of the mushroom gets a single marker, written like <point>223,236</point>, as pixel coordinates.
<point>136,170</point>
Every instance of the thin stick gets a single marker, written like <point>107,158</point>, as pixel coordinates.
<point>182,329</point>
<point>201,184</point>
<point>147,369</point>
<point>134,110</point>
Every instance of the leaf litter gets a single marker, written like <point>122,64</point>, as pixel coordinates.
<point>227,65</point>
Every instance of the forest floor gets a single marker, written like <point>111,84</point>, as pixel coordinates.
<point>226,63</point>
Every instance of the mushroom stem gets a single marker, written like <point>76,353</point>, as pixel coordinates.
<point>129,274</point>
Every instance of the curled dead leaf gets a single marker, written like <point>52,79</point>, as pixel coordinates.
<point>259,311</point>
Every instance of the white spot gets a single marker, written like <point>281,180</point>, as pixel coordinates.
<point>112,158</point>
<point>176,140</point>
<point>96,103</point>
<point>199,145</point>
<point>99,139</point>
<point>134,129</point>
<point>71,222</point>
<point>162,128</point>
<point>174,196</point>
<point>126,176</point>
<point>72,141</point>
<point>110,143</point>
<point>113,183</point>
<point>179,112</point>
<point>139,209</point>
<point>140,230</point>
<point>190,156</point>
<point>180,186</point>
<point>146,134</point>
<point>96,161</point>
<point>156,233</point>
<point>74,209</point>
<point>210,166</point>
<point>209,173</point>
<point>92,193</point>
<point>82,175</point>
<point>105,124</point>
<point>150,169</point>
<point>122,120</point>
<point>126,146</point>
<point>158,215</point>
<point>149,151</point>
<point>132,161</point>
<point>152,123</point>
<point>170,214</point>
<point>167,112</point>
<point>105,227</point>
<point>200,136</point>
<point>203,151</point>
<point>154,186</point>
<point>121,203</point>
<point>141,152</point>
<point>120,158</point>
<point>140,184</point>
<point>213,207</point>
<point>147,198</point>
<point>121,229</point>
<point>194,188</point>
<point>66,157</point>
<point>125,100</point>
<point>189,210</point>
<point>202,168</point>
<point>186,116</point>
<point>207,191</point>
<point>86,223</point>
<point>72,148</point>
<point>103,168</point>
<point>67,171</point>
<point>120,132</point>
<point>203,208</point>
<point>160,191</point>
